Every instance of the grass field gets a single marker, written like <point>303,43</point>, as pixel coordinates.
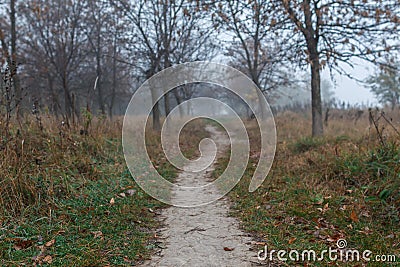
<point>343,186</point>
<point>68,199</point>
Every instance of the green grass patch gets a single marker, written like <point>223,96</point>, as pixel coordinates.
<point>69,200</point>
<point>333,189</point>
<point>107,221</point>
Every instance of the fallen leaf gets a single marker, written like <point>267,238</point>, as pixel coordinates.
<point>122,195</point>
<point>315,233</point>
<point>335,237</point>
<point>365,214</point>
<point>365,231</point>
<point>353,216</point>
<point>112,201</point>
<point>97,234</point>
<point>131,192</point>
<point>48,259</point>
<point>291,240</point>
<point>22,244</point>
<point>390,236</point>
<point>228,249</point>
<point>324,209</point>
<point>330,239</point>
<point>50,243</point>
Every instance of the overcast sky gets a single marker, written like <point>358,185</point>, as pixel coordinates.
<point>351,91</point>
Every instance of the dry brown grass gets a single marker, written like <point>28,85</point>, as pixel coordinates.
<point>344,185</point>
<point>57,182</point>
<point>343,136</point>
<point>37,164</point>
<point>40,161</point>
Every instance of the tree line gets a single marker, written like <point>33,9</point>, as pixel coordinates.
<point>73,55</point>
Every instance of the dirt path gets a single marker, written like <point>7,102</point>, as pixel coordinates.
<point>202,236</point>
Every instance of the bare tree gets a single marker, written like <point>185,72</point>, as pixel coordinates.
<point>9,49</point>
<point>253,49</point>
<point>385,85</point>
<point>55,32</point>
<point>98,21</point>
<point>328,33</point>
<point>162,30</point>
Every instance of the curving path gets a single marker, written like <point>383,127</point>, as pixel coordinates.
<point>202,236</point>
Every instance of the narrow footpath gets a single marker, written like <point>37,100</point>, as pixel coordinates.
<point>206,235</point>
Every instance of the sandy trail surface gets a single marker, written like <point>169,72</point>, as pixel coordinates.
<point>206,235</point>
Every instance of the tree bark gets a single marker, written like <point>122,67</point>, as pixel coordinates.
<point>69,112</point>
<point>316,103</point>
<point>14,63</point>
<point>55,105</point>
<point>167,104</point>
<point>156,113</point>
<point>312,37</point>
<point>178,99</point>
<point>114,81</point>
<point>99,72</point>
<point>156,108</point>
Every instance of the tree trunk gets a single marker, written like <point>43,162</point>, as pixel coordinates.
<point>156,108</point>
<point>14,63</point>
<point>114,81</point>
<point>67,101</point>
<point>316,103</point>
<point>167,104</point>
<point>179,102</point>
<point>395,100</point>
<point>99,75</point>
<point>55,105</point>
<point>156,113</point>
<point>166,44</point>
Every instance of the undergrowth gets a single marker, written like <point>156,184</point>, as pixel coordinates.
<point>68,199</point>
<point>343,186</point>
